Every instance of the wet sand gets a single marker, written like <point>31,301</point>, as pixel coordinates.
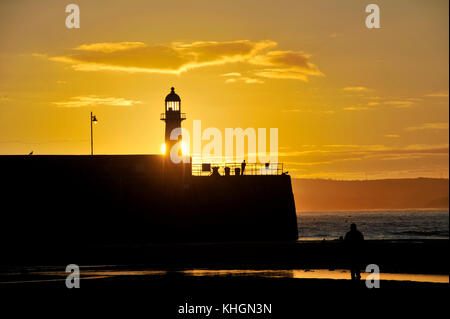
<point>287,260</point>
<point>294,278</point>
<point>56,276</point>
<point>156,296</point>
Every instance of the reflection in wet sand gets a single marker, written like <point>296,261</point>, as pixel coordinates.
<point>316,274</point>
<point>87,272</point>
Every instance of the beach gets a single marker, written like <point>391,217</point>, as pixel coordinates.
<point>290,277</point>
<point>425,257</point>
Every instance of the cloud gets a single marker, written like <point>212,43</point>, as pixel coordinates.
<point>356,89</point>
<point>286,65</point>
<point>39,55</point>
<point>93,100</point>
<point>174,58</point>
<point>329,154</point>
<point>378,101</point>
<point>245,80</point>
<point>298,110</point>
<point>438,94</point>
<point>108,47</point>
<point>253,81</point>
<point>237,77</point>
<point>356,108</point>
<point>288,59</point>
<point>429,126</point>
<point>373,97</point>
<point>342,146</point>
<point>234,74</point>
<point>400,103</point>
<point>179,57</point>
<point>282,74</point>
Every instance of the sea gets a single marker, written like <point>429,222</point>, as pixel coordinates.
<point>380,224</point>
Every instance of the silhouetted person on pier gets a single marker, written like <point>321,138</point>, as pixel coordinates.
<point>215,171</point>
<point>243,167</point>
<point>354,241</point>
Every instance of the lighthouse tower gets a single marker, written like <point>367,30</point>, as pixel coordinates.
<point>173,117</point>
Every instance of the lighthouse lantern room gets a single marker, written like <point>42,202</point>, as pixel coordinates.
<point>172,117</point>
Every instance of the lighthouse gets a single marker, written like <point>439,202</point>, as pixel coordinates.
<point>172,117</point>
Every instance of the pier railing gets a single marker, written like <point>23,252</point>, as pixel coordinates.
<point>233,169</point>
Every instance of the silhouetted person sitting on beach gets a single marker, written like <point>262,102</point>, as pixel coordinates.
<point>243,167</point>
<point>354,240</point>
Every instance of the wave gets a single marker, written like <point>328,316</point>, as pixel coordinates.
<point>376,225</point>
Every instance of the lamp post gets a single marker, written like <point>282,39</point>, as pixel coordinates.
<point>93,120</point>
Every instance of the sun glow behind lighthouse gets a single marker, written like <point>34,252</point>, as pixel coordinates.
<point>184,148</point>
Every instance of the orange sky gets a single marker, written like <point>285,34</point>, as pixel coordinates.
<point>349,102</point>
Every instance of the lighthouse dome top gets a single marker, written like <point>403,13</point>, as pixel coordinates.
<point>172,96</point>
